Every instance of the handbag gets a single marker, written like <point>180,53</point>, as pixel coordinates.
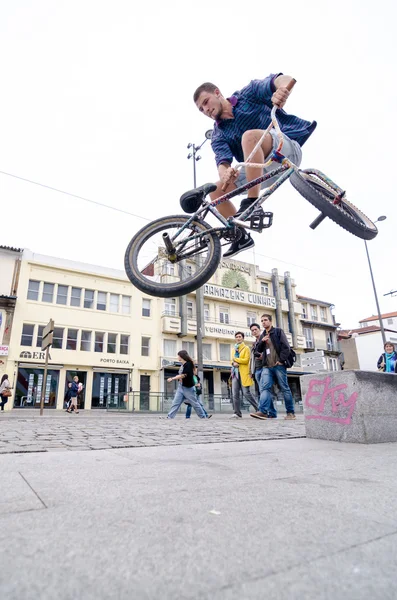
<point>7,393</point>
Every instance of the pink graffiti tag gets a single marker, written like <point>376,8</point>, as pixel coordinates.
<point>340,402</point>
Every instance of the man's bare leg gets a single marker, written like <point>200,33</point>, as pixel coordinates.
<point>248,142</point>
<point>227,208</point>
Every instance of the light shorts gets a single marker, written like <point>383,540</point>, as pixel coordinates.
<point>291,150</point>
<point>73,402</point>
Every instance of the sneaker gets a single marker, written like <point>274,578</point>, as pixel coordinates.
<point>209,416</point>
<point>236,416</point>
<point>259,415</point>
<point>290,417</point>
<point>243,243</point>
<point>246,203</point>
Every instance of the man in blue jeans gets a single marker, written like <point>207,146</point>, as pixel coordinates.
<point>275,351</point>
<point>256,366</point>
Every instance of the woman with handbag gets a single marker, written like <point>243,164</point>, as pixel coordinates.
<point>387,362</point>
<point>5,391</point>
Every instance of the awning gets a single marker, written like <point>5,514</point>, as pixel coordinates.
<point>106,370</point>
<point>50,366</point>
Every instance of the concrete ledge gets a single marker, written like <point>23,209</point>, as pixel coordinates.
<point>350,406</point>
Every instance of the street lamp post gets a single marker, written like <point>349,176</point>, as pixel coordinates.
<point>199,292</point>
<point>381,218</point>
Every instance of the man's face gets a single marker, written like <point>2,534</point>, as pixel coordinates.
<point>255,331</point>
<point>239,338</point>
<point>266,322</point>
<point>209,103</point>
<point>389,348</point>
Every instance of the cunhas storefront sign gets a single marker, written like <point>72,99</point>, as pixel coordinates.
<point>215,291</point>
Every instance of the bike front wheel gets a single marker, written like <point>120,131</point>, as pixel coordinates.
<point>339,209</point>
<point>156,271</point>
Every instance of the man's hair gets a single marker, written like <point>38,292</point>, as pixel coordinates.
<point>268,316</point>
<point>204,87</point>
<point>239,332</point>
<point>255,325</point>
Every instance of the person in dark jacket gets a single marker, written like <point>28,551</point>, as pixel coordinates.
<point>275,351</point>
<point>186,388</point>
<point>74,391</point>
<point>256,366</point>
<point>388,360</point>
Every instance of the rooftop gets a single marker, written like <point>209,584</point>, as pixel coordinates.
<point>376,317</point>
<point>11,249</point>
<point>306,298</point>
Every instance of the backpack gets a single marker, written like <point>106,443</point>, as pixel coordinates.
<point>291,359</point>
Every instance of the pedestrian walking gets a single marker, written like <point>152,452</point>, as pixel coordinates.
<point>75,389</point>
<point>199,390</point>
<point>256,366</point>
<point>5,391</point>
<point>387,362</point>
<point>186,388</point>
<point>276,357</point>
<point>241,379</point>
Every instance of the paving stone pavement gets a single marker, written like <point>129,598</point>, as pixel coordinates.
<point>21,432</point>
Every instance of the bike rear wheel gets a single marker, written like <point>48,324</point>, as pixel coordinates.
<point>340,210</point>
<point>149,266</point>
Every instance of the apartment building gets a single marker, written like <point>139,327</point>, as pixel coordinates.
<point>118,340</point>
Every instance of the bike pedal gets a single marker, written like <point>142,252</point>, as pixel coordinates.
<point>261,220</point>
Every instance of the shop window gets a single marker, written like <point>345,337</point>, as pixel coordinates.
<point>101,302</point>
<point>29,388</point>
<point>144,392</point>
<point>99,339</point>
<point>33,289</point>
<point>48,292</point>
<point>124,343</point>
<point>85,344</point>
<point>114,303</point>
<point>170,348</point>
<point>145,307</point>
<point>207,351</point>
<point>145,346</point>
<point>75,298</point>
<point>112,343</point>
<point>27,334</point>
<point>57,341</point>
<point>71,340</point>
<point>89,299</point>
<point>224,352</point>
<point>40,335</point>
<point>126,305</point>
<point>62,294</point>
<point>108,390</point>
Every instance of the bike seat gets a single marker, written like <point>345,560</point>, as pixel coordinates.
<point>190,201</point>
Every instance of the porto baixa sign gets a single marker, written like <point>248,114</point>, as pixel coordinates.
<point>214,291</point>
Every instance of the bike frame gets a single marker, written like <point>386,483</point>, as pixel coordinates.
<point>284,170</point>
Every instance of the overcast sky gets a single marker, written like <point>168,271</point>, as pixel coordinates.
<point>97,101</point>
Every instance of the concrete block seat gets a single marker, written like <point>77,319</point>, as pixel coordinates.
<point>350,406</point>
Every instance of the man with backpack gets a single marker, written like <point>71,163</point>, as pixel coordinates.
<point>277,355</point>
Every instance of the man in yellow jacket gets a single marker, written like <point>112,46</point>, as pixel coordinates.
<point>241,378</point>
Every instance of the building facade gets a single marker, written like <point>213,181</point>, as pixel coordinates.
<point>123,345</point>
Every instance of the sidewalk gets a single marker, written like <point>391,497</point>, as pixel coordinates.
<point>26,431</point>
<point>286,519</point>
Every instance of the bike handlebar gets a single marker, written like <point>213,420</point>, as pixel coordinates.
<point>274,124</point>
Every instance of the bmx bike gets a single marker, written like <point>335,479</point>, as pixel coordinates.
<point>175,255</point>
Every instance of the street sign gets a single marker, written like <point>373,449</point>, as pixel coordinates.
<point>47,335</point>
